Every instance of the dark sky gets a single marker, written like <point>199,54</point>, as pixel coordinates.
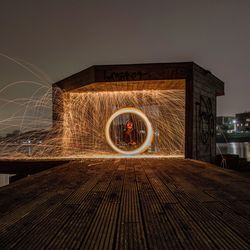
<point>62,37</point>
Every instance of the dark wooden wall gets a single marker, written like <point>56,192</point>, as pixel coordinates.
<point>201,90</point>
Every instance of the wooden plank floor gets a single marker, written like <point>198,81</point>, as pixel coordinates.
<point>127,204</point>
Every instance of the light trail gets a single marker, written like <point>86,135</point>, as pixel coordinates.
<point>86,115</point>
<point>81,134</point>
<point>148,139</point>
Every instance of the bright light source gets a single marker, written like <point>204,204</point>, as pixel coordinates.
<point>148,139</point>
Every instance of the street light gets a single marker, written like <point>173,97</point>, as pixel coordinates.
<point>234,122</point>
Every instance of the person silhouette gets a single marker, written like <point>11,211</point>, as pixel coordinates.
<point>130,133</point>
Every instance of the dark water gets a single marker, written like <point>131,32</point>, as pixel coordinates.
<point>240,148</point>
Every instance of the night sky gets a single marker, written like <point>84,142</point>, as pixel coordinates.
<point>63,37</point>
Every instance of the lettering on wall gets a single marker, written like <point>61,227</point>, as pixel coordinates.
<point>137,75</point>
<point>124,76</point>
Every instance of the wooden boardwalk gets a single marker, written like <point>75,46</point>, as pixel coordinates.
<point>127,204</point>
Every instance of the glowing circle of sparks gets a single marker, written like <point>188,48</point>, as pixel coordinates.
<point>149,128</point>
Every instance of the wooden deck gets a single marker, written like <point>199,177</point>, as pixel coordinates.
<point>127,204</point>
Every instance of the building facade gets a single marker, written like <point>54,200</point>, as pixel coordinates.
<point>200,87</point>
<point>242,122</point>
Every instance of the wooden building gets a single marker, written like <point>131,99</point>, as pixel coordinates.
<point>201,89</point>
